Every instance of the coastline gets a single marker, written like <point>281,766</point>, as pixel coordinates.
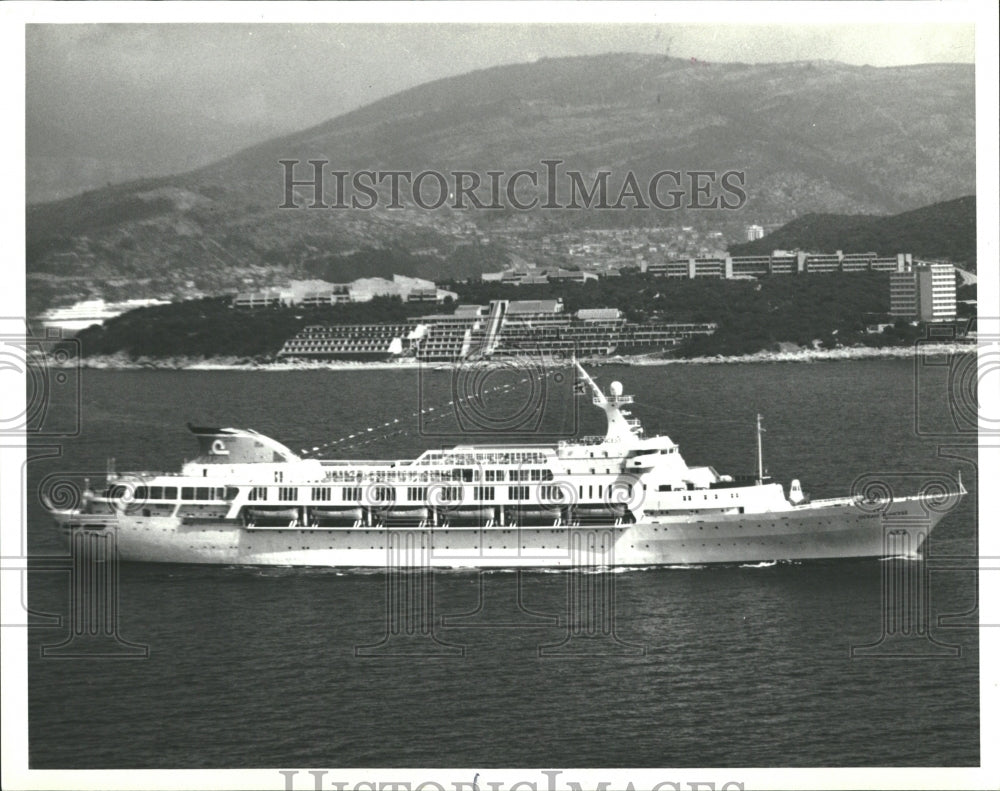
<point>123,362</point>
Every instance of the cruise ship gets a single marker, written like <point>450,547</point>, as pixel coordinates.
<point>621,499</point>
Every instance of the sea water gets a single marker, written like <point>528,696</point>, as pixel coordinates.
<point>741,665</point>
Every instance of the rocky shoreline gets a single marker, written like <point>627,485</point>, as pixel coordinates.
<point>123,362</point>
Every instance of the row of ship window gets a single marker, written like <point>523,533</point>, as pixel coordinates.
<point>465,474</point>
<point>514,457</point>
<point>354,494</point>
<point>221,493</point>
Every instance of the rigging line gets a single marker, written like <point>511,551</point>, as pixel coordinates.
<point>424,414</point>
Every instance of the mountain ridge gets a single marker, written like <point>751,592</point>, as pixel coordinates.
<point>944,230</point>
<point>820,137</point>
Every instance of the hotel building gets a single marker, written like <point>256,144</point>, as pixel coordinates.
<point>924,292</point>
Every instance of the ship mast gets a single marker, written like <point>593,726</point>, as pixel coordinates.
<point>760,451</point>
<point>621,427</point>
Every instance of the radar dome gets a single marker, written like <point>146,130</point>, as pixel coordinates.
<point>616,389</point>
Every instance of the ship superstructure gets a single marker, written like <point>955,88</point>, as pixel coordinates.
<point>248,499</point>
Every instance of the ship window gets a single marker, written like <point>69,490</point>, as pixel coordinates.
<point>416,494</point>
<point>383,494</point>
<point>321,493</point>
<point>484,493</point>
<point>187,492</point>
<point>351,494</point>
<point>202,493</point>
<point>140,493</point>
<point>450,494</point>
<point>518,492</point>
<point>288,493</point>
<point>231,492</point>
<point>665,487</point>
<point>553,494</point>
<point>170,493</point>
<point>258,493</point>
<point>155,492</point>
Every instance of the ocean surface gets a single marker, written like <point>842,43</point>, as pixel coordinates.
<point>713,666</point>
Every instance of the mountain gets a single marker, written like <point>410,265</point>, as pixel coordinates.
<point>809,136</point>
<point>944,230</point>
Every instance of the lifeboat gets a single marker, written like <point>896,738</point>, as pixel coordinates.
<point>467,516</point>
<point>536,516</point>
<point>335,516</point>
<point>271,516</point>
<point>406,515</point>
<point>593,513</point>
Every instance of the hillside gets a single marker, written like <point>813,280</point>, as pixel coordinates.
<point>811,137</point>
<point>941,231</point>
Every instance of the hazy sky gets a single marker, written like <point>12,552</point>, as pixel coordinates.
<point>114,102</point>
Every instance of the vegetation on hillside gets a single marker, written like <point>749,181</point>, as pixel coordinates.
<point>752,315</point>
<point>213,328</point>
<point>941,231</point>
<point>464,260</point>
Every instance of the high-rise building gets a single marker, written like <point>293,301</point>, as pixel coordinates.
<point>923,292</point>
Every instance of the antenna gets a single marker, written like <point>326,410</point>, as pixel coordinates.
<point>760,451</point>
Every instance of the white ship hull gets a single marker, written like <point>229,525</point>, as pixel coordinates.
<point>839,529</point>
<point>619,500</point>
